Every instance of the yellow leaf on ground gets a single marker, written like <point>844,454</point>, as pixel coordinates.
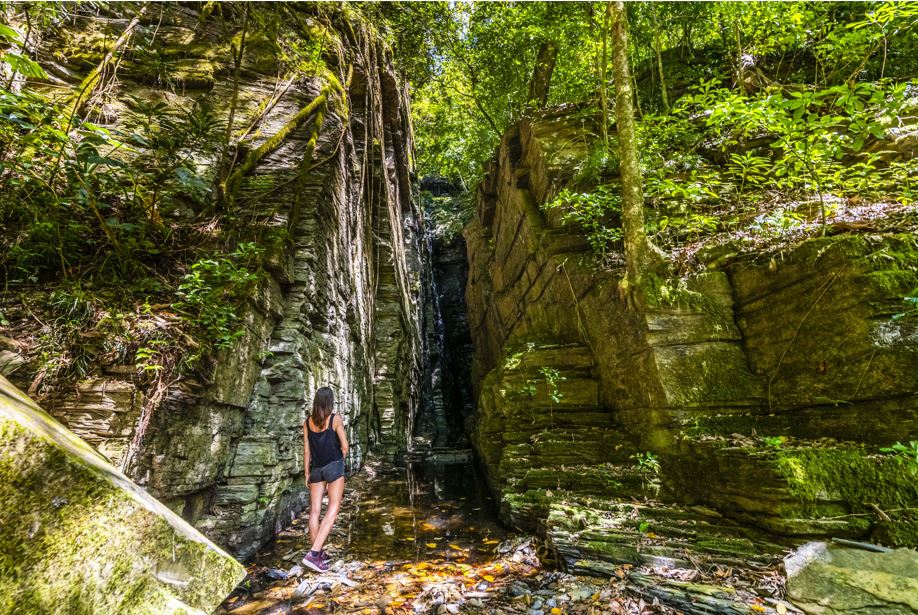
<point>487,578</point>
<point>556,611</point>
<point>455,547</point>
<point>490,541</point>
<point>431,545</point>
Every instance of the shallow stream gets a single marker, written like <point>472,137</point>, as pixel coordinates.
<point>402,531</point>
<point>425,509</point>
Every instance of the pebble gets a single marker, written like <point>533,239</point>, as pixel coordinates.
<point>536,612</point>
<point>537,605</point>
<point>551,603</point>
<point>518,589</point>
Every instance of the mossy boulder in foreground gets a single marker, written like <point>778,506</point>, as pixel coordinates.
<point>76,536</point>
<point>826,579</point>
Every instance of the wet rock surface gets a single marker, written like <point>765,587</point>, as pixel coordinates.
<point>440,550</point>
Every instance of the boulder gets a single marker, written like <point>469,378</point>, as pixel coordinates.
<point>77,536</point>
<point>827,579</point>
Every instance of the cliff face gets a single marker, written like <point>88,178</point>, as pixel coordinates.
<point>758,391</point>
<point>341,305</point>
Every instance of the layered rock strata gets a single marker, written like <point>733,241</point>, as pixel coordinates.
<point>330,202</point>
<point>752,399</point>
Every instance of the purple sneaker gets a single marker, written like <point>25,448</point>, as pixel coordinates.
<point>316,562</point>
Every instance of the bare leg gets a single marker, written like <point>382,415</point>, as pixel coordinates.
<point>335,493</point>
<point>316,492</point>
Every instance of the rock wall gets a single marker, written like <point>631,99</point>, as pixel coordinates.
<point>447,391</point>
<point>584,404</point>
<point>342,304</point>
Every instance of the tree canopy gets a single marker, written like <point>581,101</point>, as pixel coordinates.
<point>470,64</point>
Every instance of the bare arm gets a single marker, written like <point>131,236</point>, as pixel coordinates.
<point>306,450</point>
<point>339,429</point>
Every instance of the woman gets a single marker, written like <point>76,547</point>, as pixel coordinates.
<point>324,449</point>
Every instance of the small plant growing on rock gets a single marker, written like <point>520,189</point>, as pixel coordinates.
<point>596,213</point>
<point>912,301</point>
<point>552,378</point>
<point>906,452</point>
<point>774,441</point>
<point>646,463</point>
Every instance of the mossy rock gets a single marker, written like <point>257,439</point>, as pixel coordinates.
<point>861,478</point>
<point>76,536</point>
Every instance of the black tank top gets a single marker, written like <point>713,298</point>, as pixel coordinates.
<point>324,446</point>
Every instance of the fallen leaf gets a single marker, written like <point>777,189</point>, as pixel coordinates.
<point>431,545</point>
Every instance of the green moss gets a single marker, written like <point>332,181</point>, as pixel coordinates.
<point>317,106</point>
<point>897,252</point>
<point>894,282</point>
<point>742,547</point>
<point>852,475</point>
<point>77,537</point>
<point>899,531</point>
<point>661,292</point>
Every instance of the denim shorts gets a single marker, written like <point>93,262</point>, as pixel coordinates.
<point>328,473</point>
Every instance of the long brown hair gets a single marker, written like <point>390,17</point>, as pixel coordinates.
<point>322,405</point>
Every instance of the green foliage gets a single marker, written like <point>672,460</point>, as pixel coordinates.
<point>646,463</point>
<point>79,196</point>
<point>552,377</point>
<point>912,311</point>
<point>17,62</point>
<point>211,293</point>
<point>471,63</point>
<point>907,452</point>
<point>446,215</point>
<point>780,101</point>
<point>530,388</point>
<point>597,213</point>
<point>774,441</point>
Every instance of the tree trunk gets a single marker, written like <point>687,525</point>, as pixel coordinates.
<point>541,74</point>
<point>603,72</point>
<point>658,52</point>
<point>740,67</point>
<point>637,246</point>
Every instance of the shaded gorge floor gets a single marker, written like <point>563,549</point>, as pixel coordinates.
<point>424,538</point>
